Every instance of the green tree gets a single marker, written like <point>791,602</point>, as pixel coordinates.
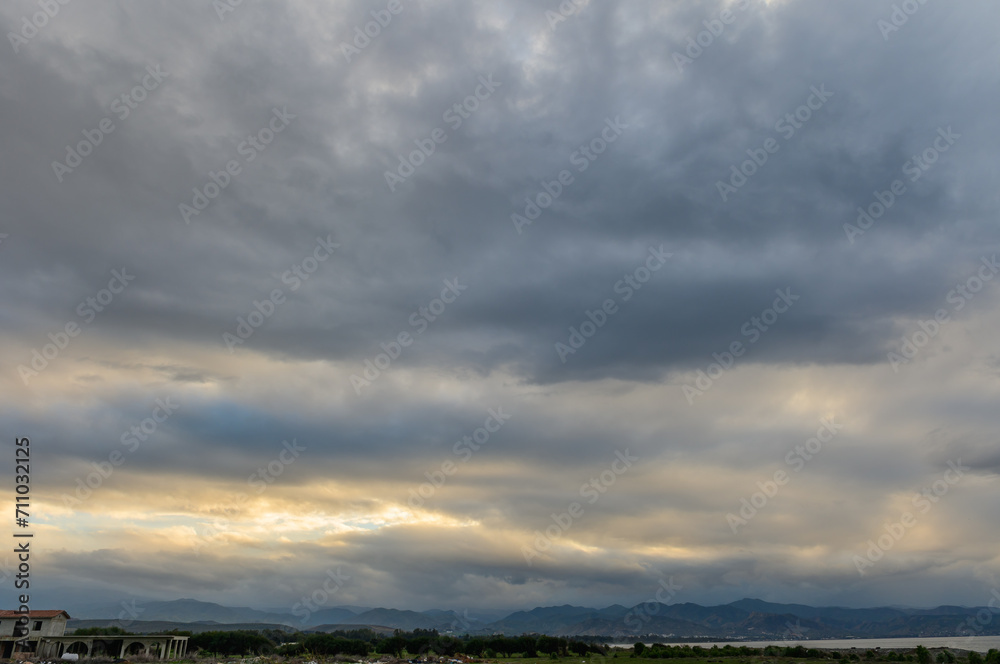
<point>639,648</point>
<point>501,645</point>
<point>526,646</point>
<point>290,649</point>
<point>237,642</point>
<point>547,644</point>
<point>328,644</point>
<point>393,645</point>
<point>447,646</point>
<point>418,644</point>
<point>475,646</point>
<point>101,631</point>
<point>923,655</point>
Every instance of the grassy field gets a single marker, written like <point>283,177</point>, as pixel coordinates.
<point>829,656</point>
<point>626,659</point>
<point>645,660</point>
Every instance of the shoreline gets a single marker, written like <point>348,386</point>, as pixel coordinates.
<point>978,643</point>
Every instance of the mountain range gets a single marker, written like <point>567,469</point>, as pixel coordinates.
<point>744,619</point>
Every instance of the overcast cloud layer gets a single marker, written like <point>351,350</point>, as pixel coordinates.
<point>711,174</point>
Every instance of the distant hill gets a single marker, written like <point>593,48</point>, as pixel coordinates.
<point>408,620</point>
<point>827,613</point>
<point>745,619</point>
<point>548,619</point>
<point>379,629</point>
<point>186,611</point>
<point>160,626</point>
<point>328,617</point>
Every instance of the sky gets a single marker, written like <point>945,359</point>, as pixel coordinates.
<point>494,305</point>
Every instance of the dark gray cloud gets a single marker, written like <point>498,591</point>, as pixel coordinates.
<point>547,95</point>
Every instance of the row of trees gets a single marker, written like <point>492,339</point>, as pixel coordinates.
<point>327,644</point>
<point>946,657</point>
<point>362,642</point>
<point>101,631</point>
<point>660,651</point>
<point>992,657</point>
<point>236,642</point>
<point>922,654</point>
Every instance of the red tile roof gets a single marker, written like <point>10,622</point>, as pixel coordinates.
<point>33,614</point>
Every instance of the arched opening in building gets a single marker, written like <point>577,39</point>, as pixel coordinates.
<point>136,648</point>
<point>79,648</point>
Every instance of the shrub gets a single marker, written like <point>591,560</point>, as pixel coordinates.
<point>101,631</point>
<point>291,649</point>
<point>327,644</point>
<point>238,642</point>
